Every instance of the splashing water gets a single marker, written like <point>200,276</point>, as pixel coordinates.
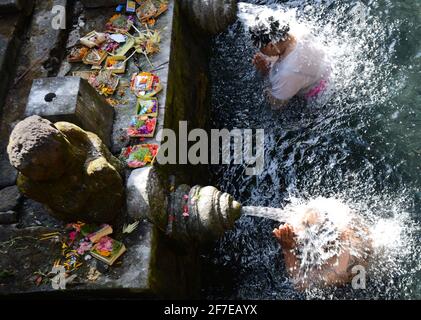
<point>359,143</point>
<point>386,240</point>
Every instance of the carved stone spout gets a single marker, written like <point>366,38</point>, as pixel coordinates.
<point>68,169</point>
<point>203,213</point>
<point>197,215</point>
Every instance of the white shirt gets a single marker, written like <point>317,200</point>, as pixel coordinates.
<point>301,69</point>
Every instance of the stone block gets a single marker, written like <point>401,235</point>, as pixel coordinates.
<point>71,99</point>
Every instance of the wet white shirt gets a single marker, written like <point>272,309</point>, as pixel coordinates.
<point>300,70</point>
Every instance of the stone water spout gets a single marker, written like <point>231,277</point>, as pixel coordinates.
<point>213,16</point>
<point>189,215</point>
<point>197,215</point>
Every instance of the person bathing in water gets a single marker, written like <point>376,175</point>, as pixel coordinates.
<point>294,65</point>
<point>319,252</point>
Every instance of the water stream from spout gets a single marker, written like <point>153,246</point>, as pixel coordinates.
<point>275,214</point>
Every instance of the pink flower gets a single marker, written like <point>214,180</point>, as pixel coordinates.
<point>131,132</point>
<point>105,244</point>
<point>128,151</point>
<point>136,164</point>
<point>73,235</point>
<point>84,246</point>
<point>150,125</point>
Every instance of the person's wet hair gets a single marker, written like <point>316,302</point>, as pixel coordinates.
<point>264,33</point>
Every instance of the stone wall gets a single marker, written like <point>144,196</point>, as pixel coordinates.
<point>29,48</point>
<point>175,269</point>
<point>12,24</point>
<point>188,89</point>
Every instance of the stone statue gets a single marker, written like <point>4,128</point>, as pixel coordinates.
<point>193,216</point>
<point>67,169</point>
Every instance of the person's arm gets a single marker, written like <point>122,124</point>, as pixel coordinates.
<point>286,238</point>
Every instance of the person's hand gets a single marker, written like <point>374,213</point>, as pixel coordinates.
<point>261,63</point>
<point>285,236</point>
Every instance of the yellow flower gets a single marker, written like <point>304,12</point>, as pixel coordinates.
<point>104,253</point>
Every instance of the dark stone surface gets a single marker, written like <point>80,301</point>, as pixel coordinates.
<point>10,27</point>
<point>8,174</point>
<point>188,91</point>
<point>134,271</point>
<point>124,111</point>
<point>9,198</point>
<point>22,255</point>
<point>27,255</point>
<point>72,100</point>
<point>8,6</point>
<point>175,271</point>
<point>35,214</point>
<point>8,217</point>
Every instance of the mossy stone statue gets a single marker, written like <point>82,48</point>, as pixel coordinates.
<point>67,169</point>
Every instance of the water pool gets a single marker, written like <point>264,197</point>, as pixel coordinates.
<point>360,143</point>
